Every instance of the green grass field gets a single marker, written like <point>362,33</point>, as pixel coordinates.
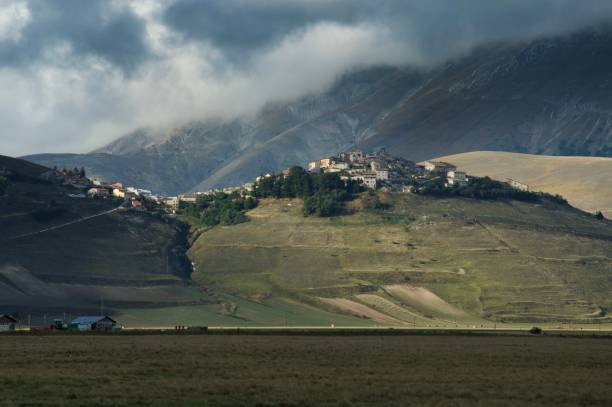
<point>221,370</point>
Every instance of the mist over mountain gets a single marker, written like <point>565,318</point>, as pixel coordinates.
<point>546,96</point>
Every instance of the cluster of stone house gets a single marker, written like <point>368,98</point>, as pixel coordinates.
<point>135,197</point>
<point>374,170</point>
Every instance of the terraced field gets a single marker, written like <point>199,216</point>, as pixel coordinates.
<point>426,261</point>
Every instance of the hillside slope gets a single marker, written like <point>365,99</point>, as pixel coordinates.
<point>549,96</point>
<point>425,261</point>
<point>67,254</point>
<point>581,180</point>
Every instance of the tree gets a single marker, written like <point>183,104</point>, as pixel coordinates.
<point>599,216</point>
<point>82,172</point>
<point>4,182</point>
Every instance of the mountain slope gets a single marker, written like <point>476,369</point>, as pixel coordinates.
<point>549,96</point>
<point>581,180</point>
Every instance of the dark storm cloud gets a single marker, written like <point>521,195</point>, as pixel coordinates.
<point>437,28</point>
<point>90,28</point>
<point>246,26</point>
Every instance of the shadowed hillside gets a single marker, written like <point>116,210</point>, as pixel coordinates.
<point>63,254</point>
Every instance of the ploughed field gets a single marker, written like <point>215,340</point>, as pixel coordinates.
<point>232,370</point>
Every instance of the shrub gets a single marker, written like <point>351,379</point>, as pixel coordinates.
<point>4,182</point>
<point>535,331</point>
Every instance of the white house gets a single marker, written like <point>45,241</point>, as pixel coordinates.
<point>518,185</point>
<point>439,166</point>
<point>456,178</point>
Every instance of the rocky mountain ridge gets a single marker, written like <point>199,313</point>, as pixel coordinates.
<point>548,96</point>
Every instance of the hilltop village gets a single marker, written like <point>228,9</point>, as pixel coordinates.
<point>367,171</point>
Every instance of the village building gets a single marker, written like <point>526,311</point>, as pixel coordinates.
<point>118,193</point>
<point>93,323</point>
<point>325,163</point>
<point>382,175</point>
<point>368,179</point>
<point>137,203</point>
<point>439,166</point>
<point>456,178</point>
<point>340,166</point>
<point>117,185</point>
<point>172,203</point>
<point>356,156</point>
<point>7,323</point>
<point>98,192</point>
<point>189,198</point>
<point>314,166</point>
<point>518,185</point>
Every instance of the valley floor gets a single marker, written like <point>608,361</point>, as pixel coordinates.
<point>166,370</point>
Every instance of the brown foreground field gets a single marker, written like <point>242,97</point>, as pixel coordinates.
<point>304,370</point>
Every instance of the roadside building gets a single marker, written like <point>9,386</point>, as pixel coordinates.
<point>439,166</point>
<point>518,185</point>
<point>93,323</point>
<point>7,323</point>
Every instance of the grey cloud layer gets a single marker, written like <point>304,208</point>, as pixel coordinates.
<point>170,61</point>
<point>91,28</point>
<point>437,28</point>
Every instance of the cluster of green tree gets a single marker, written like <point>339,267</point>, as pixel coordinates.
<point>4,183</point>
<point>75,172</point>
<point>371,202</point>
<point>485,188</point>
<point>323,194</point>
<point>220,209</point>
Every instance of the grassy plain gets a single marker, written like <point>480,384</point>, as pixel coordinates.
<point>584,181</point>
<point>190,370</point>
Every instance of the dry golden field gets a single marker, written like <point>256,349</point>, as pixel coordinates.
<point>584,181</point>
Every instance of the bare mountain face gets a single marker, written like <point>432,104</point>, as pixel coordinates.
<point>549,96</point>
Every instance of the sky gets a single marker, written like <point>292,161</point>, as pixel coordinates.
<point>75,75</point>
